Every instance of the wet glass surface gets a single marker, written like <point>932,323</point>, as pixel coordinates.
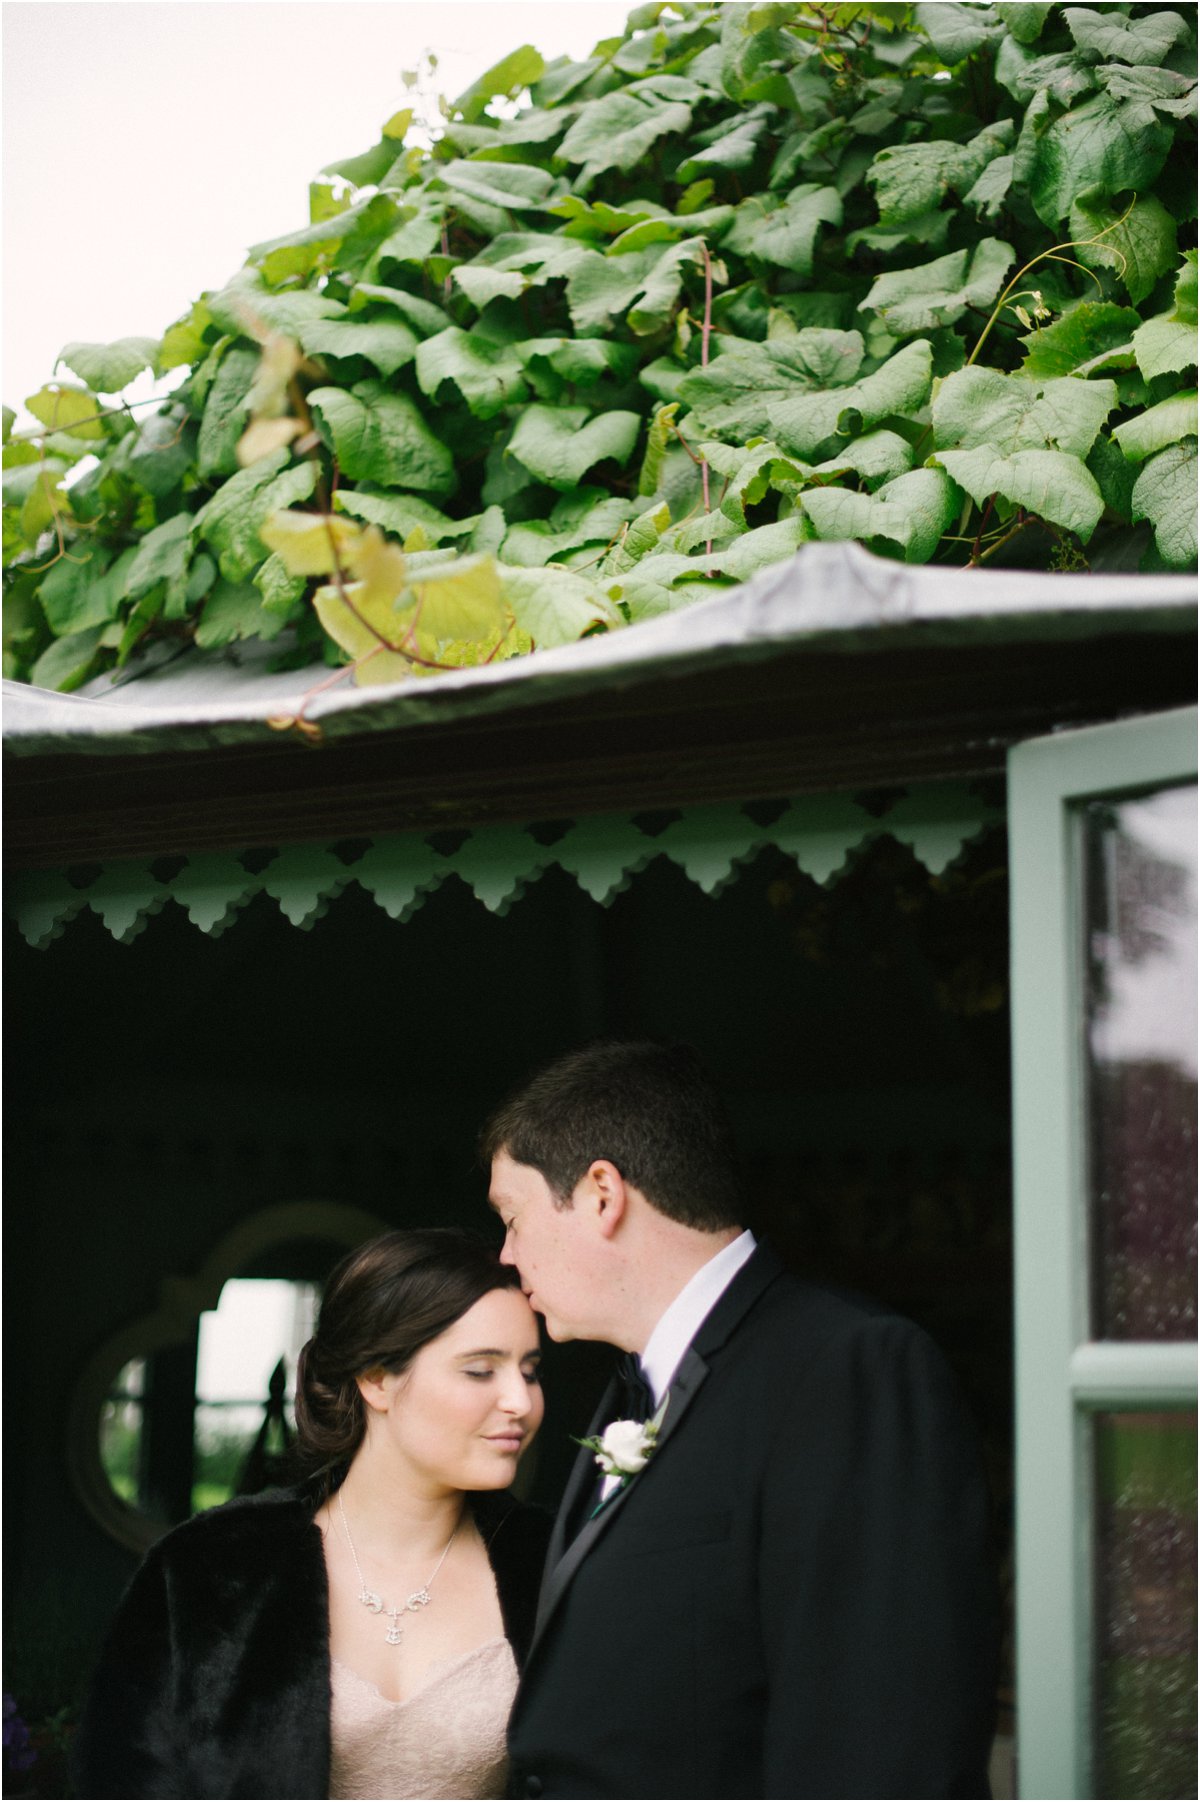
<point>1140,897</point>
<point>1144,1469</point>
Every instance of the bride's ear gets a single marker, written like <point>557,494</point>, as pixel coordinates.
<point>375,1390</point>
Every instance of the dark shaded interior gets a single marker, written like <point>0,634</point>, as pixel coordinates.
<point>160,1092</point>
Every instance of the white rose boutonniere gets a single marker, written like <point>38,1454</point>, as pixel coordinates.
<point>626,1447</point>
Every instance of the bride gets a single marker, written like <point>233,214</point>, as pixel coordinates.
<point>360,1635</point>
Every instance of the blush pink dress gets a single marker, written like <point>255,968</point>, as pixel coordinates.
<point>446,1740</point>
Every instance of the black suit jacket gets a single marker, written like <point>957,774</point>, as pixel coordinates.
<point>795,1597</point>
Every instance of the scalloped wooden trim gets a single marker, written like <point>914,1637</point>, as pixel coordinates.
<point>822,833</point>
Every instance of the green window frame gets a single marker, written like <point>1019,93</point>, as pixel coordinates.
<point>1064,1376</point>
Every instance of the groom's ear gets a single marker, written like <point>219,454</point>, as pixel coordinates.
<point>606,1195</point>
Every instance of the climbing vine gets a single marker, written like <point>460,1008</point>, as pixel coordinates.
<point>639,326</point>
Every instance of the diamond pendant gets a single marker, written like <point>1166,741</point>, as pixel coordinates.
<point>395,1632</point>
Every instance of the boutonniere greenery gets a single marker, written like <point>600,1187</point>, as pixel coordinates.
<point>626,1447</point>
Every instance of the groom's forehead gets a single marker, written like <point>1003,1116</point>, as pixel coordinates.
<point>505,1182</point>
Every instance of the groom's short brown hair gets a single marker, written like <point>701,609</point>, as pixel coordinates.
<point>650,1109</point>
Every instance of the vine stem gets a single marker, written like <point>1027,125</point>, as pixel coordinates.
<point>1001,542</point>
<point>1043,256</point>
<point>986,515</point>
<point>705,336</point>
<point>43,432</point>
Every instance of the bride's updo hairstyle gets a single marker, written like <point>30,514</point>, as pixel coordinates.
<point>382,1303</point>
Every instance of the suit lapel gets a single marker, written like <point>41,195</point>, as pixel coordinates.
<point>726,1316</point>
<point>564,1559</point>
<point>580,1483</point>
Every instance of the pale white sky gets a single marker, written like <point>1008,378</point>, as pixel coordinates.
<point>257,1321</point>
<point>149,143</point>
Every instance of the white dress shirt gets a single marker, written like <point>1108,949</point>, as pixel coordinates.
<point>677,1328</point>
<point>691,1307</point>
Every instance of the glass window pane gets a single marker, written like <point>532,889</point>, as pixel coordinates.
<point>1140,861</point>
<point>121,1422</point>
<point>1145,1654</point>
<point>256,1322</point>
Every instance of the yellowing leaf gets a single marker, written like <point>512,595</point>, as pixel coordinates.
<point>67,409</point>
<point>399,123</point>
<point>382,571</point>
<point>306,541</point>
<point>281,358</point>
<point>373,662</point>
<point>460,600</point>
<point>262,437</point>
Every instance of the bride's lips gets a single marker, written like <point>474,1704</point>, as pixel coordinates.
<point>507,1442</point>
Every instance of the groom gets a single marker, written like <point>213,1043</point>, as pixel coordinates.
<point>785,1589</point>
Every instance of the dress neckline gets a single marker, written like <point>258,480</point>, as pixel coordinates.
<point>434,1673</point>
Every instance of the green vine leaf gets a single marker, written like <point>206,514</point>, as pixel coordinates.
<point>734,395</point>
<point>387,344</point>
<point>939,293</point>
<point>556,606</point>
<point>913,511</point>
<point>1166,344</point>
<point>86,590</point>
<point>1111,35</point>
<point>644,285</point>
<point>785,235</point>
<point>1158,427</point>
<point>230,520</point>
<point>615,343</point>
<point>560,444</point>
<point>981,407</point>
<point>521,68</point>
<point>615,132</point>
<point>402,514</point>
<point>378,435</point>
<point>1071,345</point>
<point>1165,494</point>
<point>68,662</point>
<point>1105,142</point>
<point>1056,487</point>
<point>489,376</point>
<point>109,368</point>
<point>899,386</point>
<point>235,610</point>
<point>1137,243</point>
<point>913,179</point>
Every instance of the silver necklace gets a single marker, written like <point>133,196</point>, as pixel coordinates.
<point>420,1598</point>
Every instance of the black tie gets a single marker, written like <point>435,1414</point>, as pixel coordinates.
<point>633,1402</point>
<point>636,1402</point>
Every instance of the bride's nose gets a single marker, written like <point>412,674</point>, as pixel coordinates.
<point>514,1394</point>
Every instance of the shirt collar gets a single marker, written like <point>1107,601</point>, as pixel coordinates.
<point>679,1325</point>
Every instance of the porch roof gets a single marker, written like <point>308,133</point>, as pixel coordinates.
<point>829,597</point>
<point>838,669</point>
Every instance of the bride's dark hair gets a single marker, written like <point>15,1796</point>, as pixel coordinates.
<point>381,1304</point>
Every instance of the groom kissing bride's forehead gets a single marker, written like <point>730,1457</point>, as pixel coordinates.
<point>771,1573</point>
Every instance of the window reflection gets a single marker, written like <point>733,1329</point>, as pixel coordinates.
<point>190,1425</point>
<point>1141,1040</point>
<point>1145,1665</point>
<point>257,1322</point>
<point>121,1421</point>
